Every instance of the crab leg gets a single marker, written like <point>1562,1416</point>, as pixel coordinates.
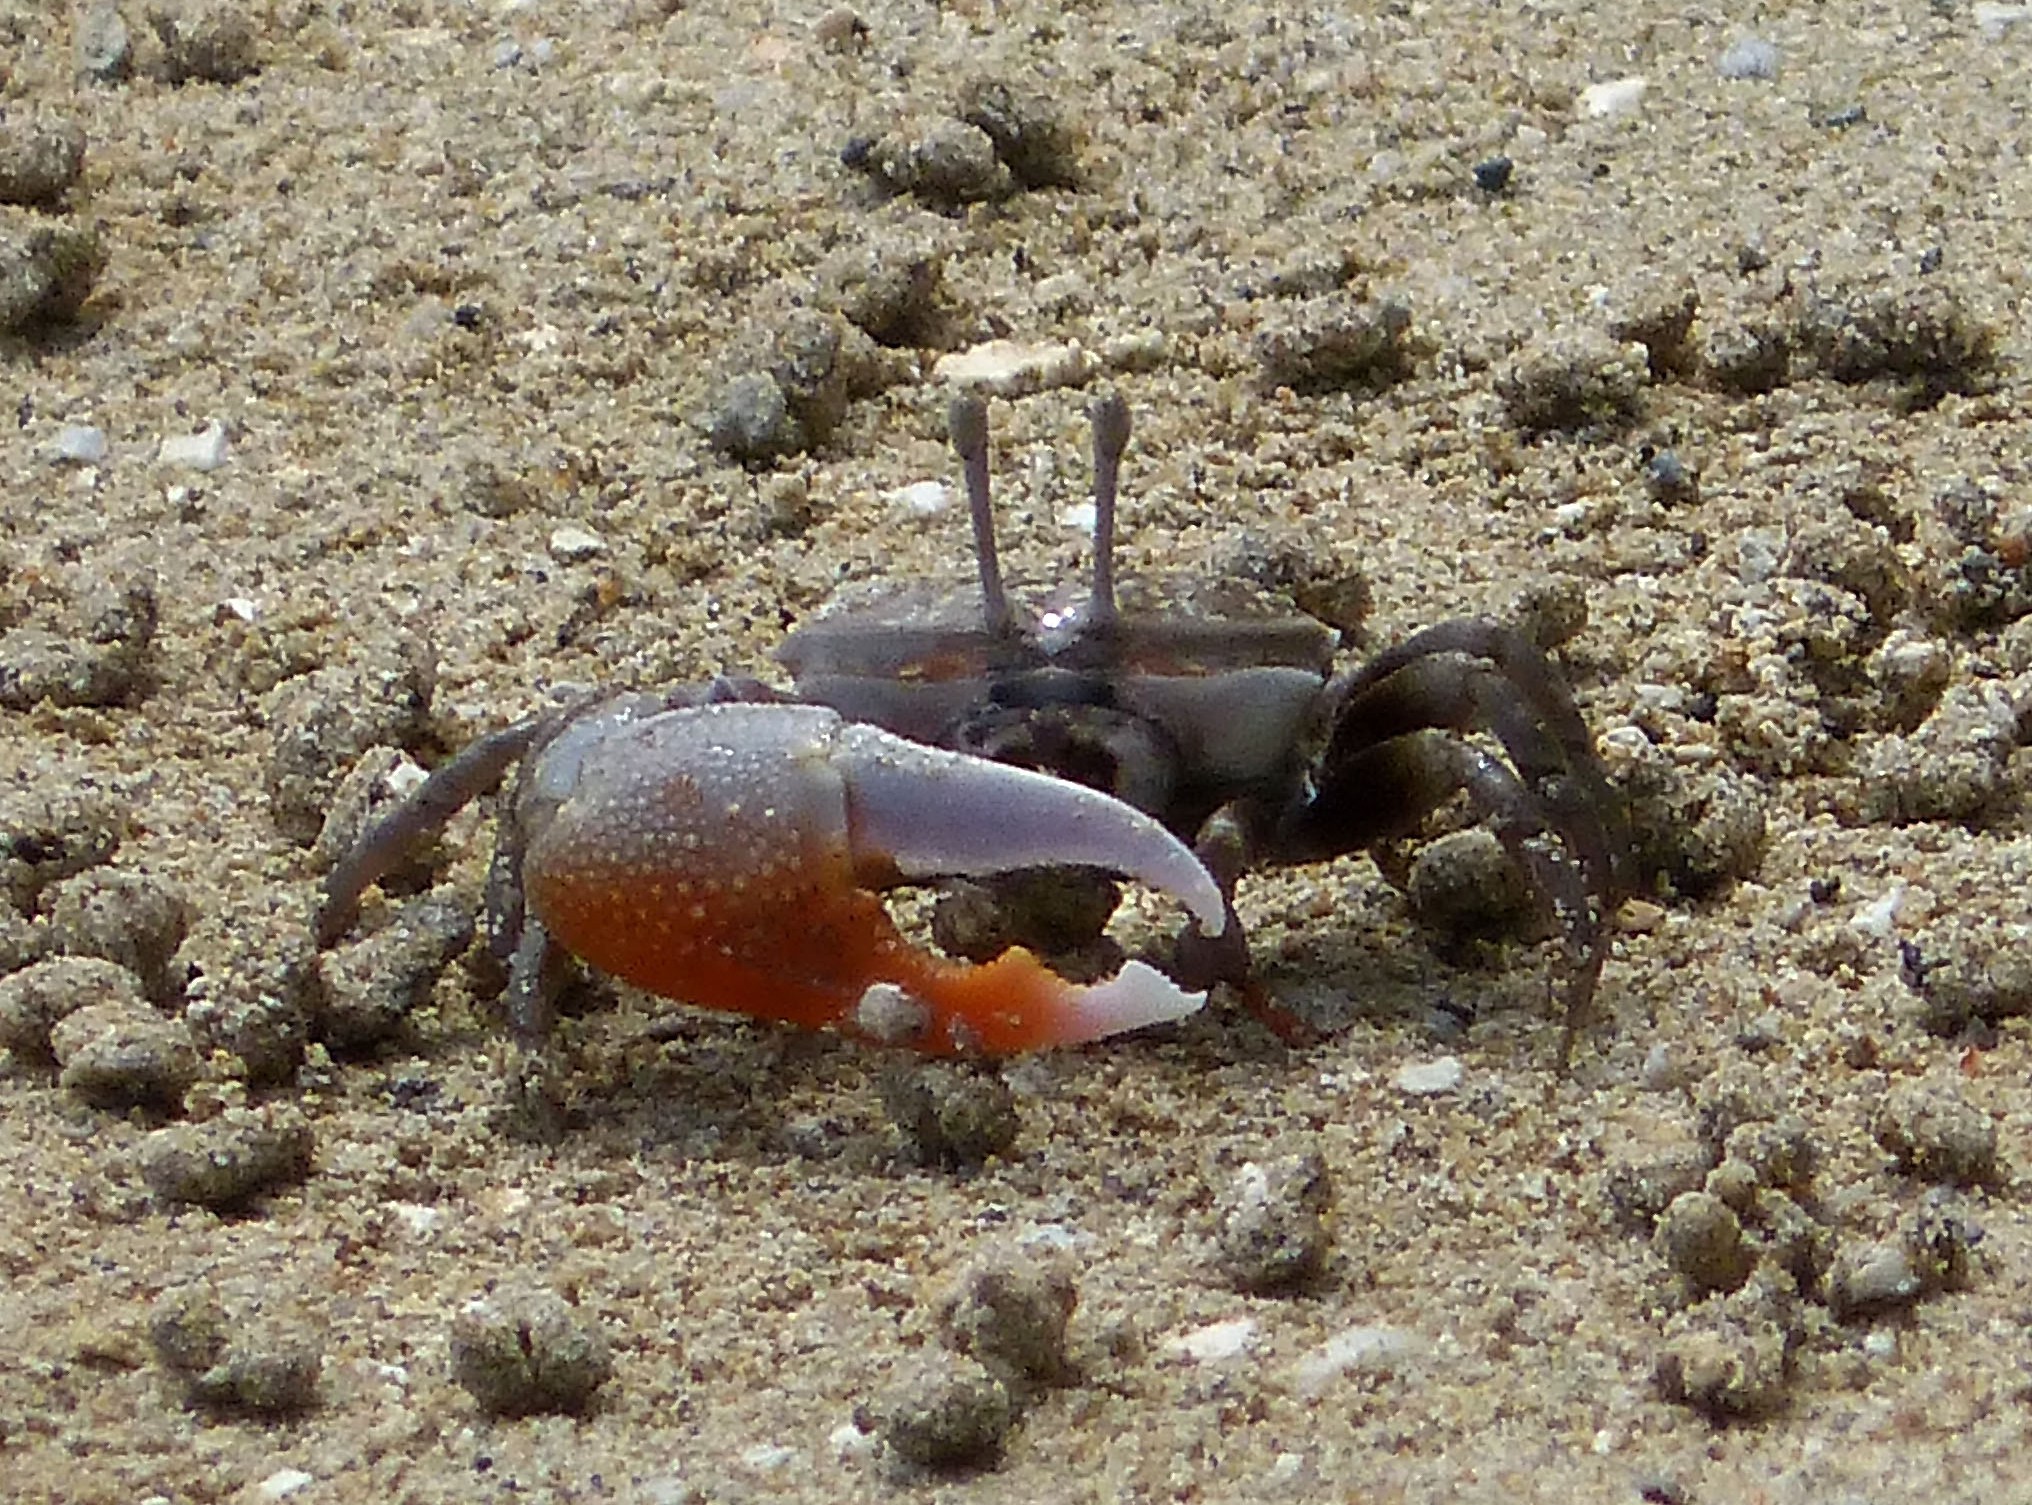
<point>446,792</point>
<point>728,856</point>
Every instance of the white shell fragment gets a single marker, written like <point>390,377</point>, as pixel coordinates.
<point>203,451</point>
<point>923,498</point>
<point>1618,96</point>
<point>1879,917</point>
<point>1005,368</point>
<point>1365,1349</point>
<point>80,444</point>
<point>574,545</point>
<point>1215,1342</point>
<point>1430,1078</point>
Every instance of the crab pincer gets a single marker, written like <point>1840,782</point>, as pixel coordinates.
<point>730,855</point>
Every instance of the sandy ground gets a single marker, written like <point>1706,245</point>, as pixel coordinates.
<point>460,281</point>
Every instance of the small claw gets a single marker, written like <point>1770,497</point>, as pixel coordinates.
<point>726,856</point>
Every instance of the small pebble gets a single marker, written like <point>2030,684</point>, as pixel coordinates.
<point>1272,1229</point>
<point>945,1412</point>
<point>1493,175</point>
<point>228,1162</point>
<point>1749,57</point>
<point>1010,1312</point>
<point>951,1114</point>
<point>130,918</point>
<point>203,451</point>
<point>371,987</point>
<point>528,1352</point>
<point>233,1363</point>
<point>1430,1078</point>
<point>39,160</point>
<point>100,41</point>
<point>1702,1240</point>
<point>254,989</point>
<point>1730,1357</point>
<point>1335,342</point>
<point>114,1055</point>
<point>48,268</point>
<point>202,41</point>
<point>1665,1068</point>
<point>923,498</point>
<point>1936,1134</point>
<point>1995,18</point>
<point>36,999</point>
<point>1668,479</point>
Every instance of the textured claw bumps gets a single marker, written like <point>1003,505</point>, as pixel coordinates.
<point>725,855</point>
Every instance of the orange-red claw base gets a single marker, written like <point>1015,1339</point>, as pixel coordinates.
<point>708,855</point>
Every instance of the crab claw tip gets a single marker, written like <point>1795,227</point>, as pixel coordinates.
<point>1137,995</point>
<point>934,813</point>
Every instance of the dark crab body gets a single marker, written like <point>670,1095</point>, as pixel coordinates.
<point>722,844</point>
<point>1222,717</point>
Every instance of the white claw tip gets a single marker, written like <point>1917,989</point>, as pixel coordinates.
<point>1135,996</point>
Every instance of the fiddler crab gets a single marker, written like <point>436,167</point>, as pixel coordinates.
<point>726,844</point>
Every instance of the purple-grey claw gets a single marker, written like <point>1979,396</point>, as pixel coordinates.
<point>934,813</point>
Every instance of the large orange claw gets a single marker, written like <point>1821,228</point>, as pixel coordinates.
<point>727,855</point>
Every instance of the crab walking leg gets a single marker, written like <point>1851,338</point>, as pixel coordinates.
<point>728,856</point>
<point>424,813</point>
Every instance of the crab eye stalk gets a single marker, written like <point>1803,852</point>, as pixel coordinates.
<point>1109,415</point>
<point>967,421</point>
